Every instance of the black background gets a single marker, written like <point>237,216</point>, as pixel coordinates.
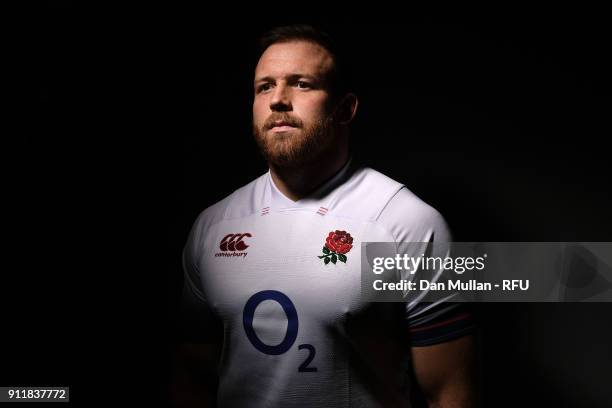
<point>140,119</point>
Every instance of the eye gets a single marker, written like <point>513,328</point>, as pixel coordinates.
<point>264,87</point>
<point>302,84</point>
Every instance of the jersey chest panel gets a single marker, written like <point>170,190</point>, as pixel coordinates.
<point>291,319</point>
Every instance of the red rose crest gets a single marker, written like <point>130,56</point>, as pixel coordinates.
<point>337,244</point>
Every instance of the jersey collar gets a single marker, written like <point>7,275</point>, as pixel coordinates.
<point>318,201</point>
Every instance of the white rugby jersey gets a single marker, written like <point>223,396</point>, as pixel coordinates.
<point>295,331</point>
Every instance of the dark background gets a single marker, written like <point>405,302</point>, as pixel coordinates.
<point>141,119</point>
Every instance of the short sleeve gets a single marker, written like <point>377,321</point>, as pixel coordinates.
<point>410,220</point>
<point>197,320</point>
<point>433,323</point>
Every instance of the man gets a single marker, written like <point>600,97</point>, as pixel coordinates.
<point>273,270</point>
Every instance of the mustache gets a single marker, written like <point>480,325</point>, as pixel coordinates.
<point>281,117</point>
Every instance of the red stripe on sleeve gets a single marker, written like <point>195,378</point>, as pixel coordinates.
<point>445,322</point>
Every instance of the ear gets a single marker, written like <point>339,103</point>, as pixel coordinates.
<point>347,108</point>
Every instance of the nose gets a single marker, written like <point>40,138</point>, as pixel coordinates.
<point>281,99</point>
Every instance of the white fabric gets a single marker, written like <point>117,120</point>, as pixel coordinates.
<point>360,349</point>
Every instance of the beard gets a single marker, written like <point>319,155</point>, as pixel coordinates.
<point>298,147</point>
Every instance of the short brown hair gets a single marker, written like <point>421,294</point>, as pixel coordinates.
<point>339,76</point>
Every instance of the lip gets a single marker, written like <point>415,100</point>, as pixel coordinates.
<point>282,128</point>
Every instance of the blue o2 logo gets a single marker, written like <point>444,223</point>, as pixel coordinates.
<point>292,318</point>
<point>292,327</point>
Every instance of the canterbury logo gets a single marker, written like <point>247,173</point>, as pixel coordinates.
<point>234,242</point>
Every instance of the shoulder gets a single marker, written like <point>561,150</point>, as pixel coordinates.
<point>241,203</point>
<point>410,219</point>
<point>365,194</point>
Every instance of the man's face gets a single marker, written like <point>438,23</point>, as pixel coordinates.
<point>292,120</point>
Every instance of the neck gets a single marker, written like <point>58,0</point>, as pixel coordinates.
<point>298,183</point>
